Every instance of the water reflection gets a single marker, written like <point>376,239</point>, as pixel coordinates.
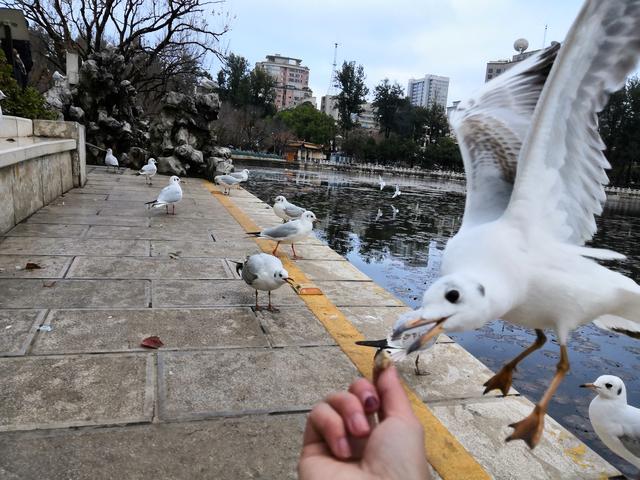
<point>403,254</point>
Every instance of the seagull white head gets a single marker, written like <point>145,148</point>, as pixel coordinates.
<point>280,199</point>
<point>174,179</point>
<point>282,276</point>
<point>608,387</point>
<point>455,302</point>
<point>109,151</point>
<point>309,216</point>
<point>245,171</point>
<point>152,161</point>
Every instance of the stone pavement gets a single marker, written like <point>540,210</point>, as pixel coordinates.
<point>226,397</point>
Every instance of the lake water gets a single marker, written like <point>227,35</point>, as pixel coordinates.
<point>402,253</point>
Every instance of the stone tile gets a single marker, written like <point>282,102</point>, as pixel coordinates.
<point>46,230</point>
<point>50,267</point>
<point>51,176</point>
<point>481,427</point>
<point>209,293</point>
<point>312,252</point>
<point>196,384</point>
<point>73,210</point>
<point>26,189</point>
<point>374,323</point>
<point>148,267</point>
<point>358,294</point>
<point>294,327</point>
<point>318,270</point>
<point>181,211</point>
<point>147,233</point>
<point>212,449</point>
<point>55,392</point>
<point>17,328</point>
<point>95,331</point>
<point>87,220</point>
<point>31,293</point>
<point>185,248</point>
<point>74,246</point>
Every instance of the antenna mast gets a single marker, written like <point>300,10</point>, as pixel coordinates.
<point>331,88</point>
<point>544,38</point>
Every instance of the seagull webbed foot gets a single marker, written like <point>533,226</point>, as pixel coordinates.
<point>419,372</point>
<point>529,429</point>
<point>500,381</point>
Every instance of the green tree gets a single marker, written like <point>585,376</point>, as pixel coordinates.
<point>233,81</point>
<point>388,101</point>
<point>436,124</point>
<point>353,92</point>
<point>27,103</point>
<point>308,123</point>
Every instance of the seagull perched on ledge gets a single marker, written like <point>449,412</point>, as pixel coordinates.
<point>227,182</point>
<point>149,170</point>
<point>535,179</point>
<point>110,160</point>
<point>286,210</point>
<point>169,195</point>
<point>290,232</point>
<point>243,176</point>
<point>263,272</point>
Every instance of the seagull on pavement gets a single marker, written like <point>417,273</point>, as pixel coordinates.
<point>286,210</point>
<point>263,272</point>
<point>243,176</point>
<point>381,182</point>
<point>397,193</point>
<point>169,195</point>
<point>535,179</point>
<point>149,170</point>
<point>227,181</point>
<point>290,232</point>
<point>110,160</point>
<point>616,423</point>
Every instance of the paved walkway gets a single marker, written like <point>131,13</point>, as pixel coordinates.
<point>226,397</point>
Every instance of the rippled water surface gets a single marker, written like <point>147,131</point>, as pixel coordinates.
<point>402,253</point>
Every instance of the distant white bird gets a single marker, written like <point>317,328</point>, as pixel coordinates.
<point>381,182</point>
<point>2,97</point>
<point>535,173</point>
<point>149,170</point>
<point>263,272</point>
<point>243,176</point>
<point>290,232</point>
<point>110,160</point>
<point>394,210</point>
<point>58,77</point>
<point>169,195</point>
<point>397,193</point>
<point>286,210</point>
<point>378,215</point>
<point>227,182</point>
<point>616,423</point>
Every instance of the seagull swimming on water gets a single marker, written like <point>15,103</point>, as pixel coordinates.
<point>169,195</point>
<point>263,272</point>
<point>286,210</point>
<point>290,232</point>
<point>535,179</point>
<point>149,170</point>
<point>110,160</point>
<point>616,423</point>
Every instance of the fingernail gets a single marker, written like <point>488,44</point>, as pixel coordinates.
<point>358,424</point>
<point>371,404</point>
<point>344,450</point>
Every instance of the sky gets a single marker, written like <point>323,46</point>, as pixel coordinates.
<point>397,39</point>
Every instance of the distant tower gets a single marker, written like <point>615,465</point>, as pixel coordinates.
<point>520,45</point>
<point>332,90</point>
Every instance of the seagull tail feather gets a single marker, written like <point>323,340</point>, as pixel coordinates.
<point>600,253</point>
<point>254,234</point>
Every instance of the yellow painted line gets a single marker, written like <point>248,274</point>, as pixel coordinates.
<point>444,452</point>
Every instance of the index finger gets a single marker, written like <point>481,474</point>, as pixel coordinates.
<point>392,395</point>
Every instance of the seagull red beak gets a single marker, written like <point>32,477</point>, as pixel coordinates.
<point>436,330</point>
<point>589,385</point>
<point>290,281</point>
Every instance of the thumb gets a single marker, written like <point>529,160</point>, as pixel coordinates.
<point>393,399</point>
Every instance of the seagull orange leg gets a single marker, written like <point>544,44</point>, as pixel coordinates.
<point>502,380</point>
<point>275,249</point>
<point>295,256</point>
<point>530,429</point>
<point>271,308</point>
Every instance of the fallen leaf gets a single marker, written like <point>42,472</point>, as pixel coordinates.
<point>48,284</point>
<point>174,255</point>
<point>32,266</point>
<point>152,342</point>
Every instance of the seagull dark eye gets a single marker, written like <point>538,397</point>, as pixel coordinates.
<point>619,390</point>
<point>452,296</point>
<point>608,385</point>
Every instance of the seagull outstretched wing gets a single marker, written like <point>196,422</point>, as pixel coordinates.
<point>490,128</point>
<point>561,175</point>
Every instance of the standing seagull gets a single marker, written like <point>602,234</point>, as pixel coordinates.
<point>243,176</point>
<point>381,182</point>
<point>397,193</point>
<point>110,160</point>
<point>289,232</point>
<point>535,174</point>
<point>616,423</point>
<point>149,170</point>
<point>227,181</point>
<point>286,210</point>
<point>263,272</point>
<point>169,195</point>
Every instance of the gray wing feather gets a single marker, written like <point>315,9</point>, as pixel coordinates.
<point>170,194</point>
<point>249,271</point>
<point>293,210</point>
<point>631,443</point>
<point>281,231</point>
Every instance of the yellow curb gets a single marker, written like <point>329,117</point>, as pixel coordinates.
<point>444,452</point>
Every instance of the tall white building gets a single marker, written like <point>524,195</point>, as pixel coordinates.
<point>366,119</point>
<point>429,90</point>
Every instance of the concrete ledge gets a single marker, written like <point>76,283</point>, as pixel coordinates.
<point>32,147</point>
<point>15,127</point>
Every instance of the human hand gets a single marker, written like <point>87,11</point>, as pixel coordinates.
<point>339,442</point>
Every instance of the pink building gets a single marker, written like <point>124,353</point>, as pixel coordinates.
<point>292,80</point>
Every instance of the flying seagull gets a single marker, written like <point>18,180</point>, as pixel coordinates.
<point>290,232</point>
<point>397,193</point>
<point>149,170</point>
<point>381,182</point>
<point>110,160</point>
<point>535,179</point>
<point>616,423</point>
<point>286,210</point>
<point>227,181</point>
<point>263,272</point>
<point>378,215</point>
<point>169,195</point>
